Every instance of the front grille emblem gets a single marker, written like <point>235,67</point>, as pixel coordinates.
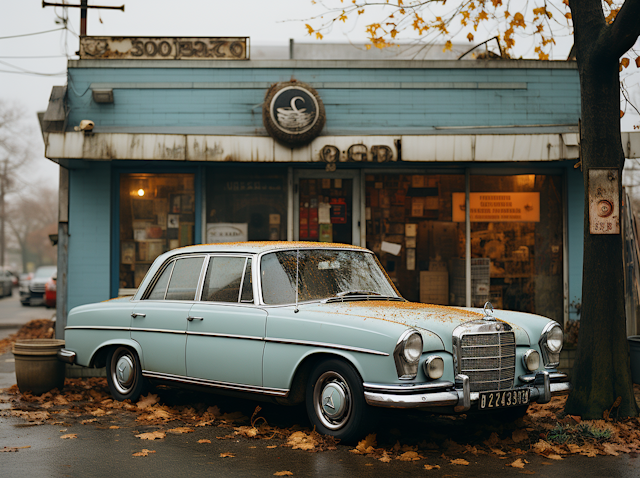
<point>488,311</point>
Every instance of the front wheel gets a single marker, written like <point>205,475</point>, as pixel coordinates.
<point>335,400</point>
<point>124,374</point>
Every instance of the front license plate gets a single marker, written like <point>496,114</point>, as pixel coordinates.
<point>503,399</point>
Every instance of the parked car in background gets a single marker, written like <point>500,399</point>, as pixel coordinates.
<point>50,292</point>
<point>6,283</point>
<point>313,323</point>
<point>32,290</point>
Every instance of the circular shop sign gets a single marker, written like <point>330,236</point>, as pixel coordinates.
<point>293,113</point>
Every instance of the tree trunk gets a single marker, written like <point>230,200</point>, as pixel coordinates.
<point>601,371</point>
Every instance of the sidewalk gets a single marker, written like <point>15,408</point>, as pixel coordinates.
<point>14,315</point>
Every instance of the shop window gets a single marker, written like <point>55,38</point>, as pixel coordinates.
<point>326,210</point>
<point>516,228</point>
<point>157,214</point>
<point>244,205</point>
<point>409,226</point>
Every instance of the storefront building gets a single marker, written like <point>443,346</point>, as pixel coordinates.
<point>440,167</point>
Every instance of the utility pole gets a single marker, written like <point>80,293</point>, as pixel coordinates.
<point>3,190</point>
<point>83,11</point>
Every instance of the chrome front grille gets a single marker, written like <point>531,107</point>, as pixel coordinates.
<point>38,287</point>
<point>488,359</point>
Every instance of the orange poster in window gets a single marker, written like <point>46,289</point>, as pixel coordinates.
<point>498,207</point>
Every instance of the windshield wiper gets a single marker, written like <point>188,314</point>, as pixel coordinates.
<point>356,292</point>
<point>362,297</point>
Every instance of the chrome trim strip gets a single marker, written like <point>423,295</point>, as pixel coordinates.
<point>95,327</point>
<point>227,336</point>
<point>240,337</point>
<point>406,387</point>
<point>280,392</point>
<point>553,376</point>
<point>324,345</point>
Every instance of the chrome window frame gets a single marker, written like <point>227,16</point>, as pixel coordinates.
<point>258,270</point>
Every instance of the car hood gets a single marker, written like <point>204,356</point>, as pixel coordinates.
<point>438,319</point>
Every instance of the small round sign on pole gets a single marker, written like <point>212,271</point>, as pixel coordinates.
<point>293,113</point>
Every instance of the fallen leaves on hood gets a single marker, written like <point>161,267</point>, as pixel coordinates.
<point>459,461</point>
<point>157,435</point>
<point>283,473</point>
<point>69,436</point>
<point>227,455</point>
<point>204,440</point>
<point>431,467</point>
<point>144,452</point>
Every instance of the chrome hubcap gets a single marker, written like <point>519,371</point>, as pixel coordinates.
<point>123,371</point>
<point>332,400</point>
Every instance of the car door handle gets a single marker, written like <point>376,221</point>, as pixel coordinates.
<point>135,314</point>
<point>191,319</point>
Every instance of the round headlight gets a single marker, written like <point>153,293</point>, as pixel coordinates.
<point>554,339</point>
<point>434,367</point>
<point>531,360</point>
<point>412,349</point>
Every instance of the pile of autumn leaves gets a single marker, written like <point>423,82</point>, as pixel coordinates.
<point>543,431</point>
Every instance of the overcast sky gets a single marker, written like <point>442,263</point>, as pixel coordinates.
<point>265,22</point>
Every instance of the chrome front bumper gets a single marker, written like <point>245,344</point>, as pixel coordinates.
<point>66,356</point>
<point>542,386</point>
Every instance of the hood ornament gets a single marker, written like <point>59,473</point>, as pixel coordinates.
<point>488,312</point>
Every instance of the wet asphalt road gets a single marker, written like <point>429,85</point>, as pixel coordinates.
<point>100,451</point>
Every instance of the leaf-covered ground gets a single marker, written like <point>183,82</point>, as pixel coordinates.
<point>427,440</point>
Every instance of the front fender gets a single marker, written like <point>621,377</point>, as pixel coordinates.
<point>118,342</point>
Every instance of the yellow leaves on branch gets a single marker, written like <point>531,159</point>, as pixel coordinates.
<point>447,46</point>
<point>625,63</point>
<point>638,61</point>
<point>470,37</point>
<point>518,20</point>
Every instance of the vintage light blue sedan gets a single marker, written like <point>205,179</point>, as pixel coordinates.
<point>315,323</point>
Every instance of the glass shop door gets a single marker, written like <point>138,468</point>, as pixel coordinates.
<point>327,207</point>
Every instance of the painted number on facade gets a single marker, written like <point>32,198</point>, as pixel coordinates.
<point>234,48</point>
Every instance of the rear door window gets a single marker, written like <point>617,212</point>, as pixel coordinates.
<point>184,279</point>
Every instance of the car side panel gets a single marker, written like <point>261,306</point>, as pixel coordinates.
<point>90,326</point>
<point>282,359</point>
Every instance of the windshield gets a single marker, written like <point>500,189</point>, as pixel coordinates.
<point>45,272</point>
<point>323,274</point>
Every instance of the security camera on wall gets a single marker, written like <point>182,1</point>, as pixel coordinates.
<point>85,125</point>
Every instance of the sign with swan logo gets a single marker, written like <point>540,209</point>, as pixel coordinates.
<point>293,113</point>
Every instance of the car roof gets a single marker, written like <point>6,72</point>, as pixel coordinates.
<point>257,247</point>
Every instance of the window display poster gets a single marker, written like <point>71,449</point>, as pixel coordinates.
<point>326,233</point>
<point>498,207</point>
<point>338,211</point>
<point>227,232</point>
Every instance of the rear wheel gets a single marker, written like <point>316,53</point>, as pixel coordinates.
<point>124,374</point>
<point>335,400</point>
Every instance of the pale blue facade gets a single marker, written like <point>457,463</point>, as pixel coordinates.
<point>361,98</point>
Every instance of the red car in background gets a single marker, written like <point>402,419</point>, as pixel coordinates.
<point>50,292</point>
